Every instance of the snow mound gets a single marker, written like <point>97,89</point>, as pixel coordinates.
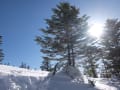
<point>61,81</point>
<point>73,72</point>
<point>13,78</point>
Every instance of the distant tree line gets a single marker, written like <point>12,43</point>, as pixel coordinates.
<point>24,65</point>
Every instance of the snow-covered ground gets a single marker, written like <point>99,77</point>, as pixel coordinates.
<point>105,83</point>
<point>61,81</point>
<point>13,78</point>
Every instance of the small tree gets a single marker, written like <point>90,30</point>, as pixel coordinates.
<point>46,64</point>
<point>90,62</point>
<point>28,67</point>
<point>1,51</point>
<point>24,65</point>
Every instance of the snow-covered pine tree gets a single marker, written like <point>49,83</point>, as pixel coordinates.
<point>111,41</point>
<point>61,39</point>
<point>90,65</point>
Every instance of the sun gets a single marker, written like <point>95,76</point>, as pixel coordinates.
<point>96,30</point>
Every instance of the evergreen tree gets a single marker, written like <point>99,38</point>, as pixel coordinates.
<point>46,64</point>
<point>24,65</point>
<point>1,51</point>
<point>28,67</point>
<point>90,62</point>
<point>111,41</point>
<point>61,39</point>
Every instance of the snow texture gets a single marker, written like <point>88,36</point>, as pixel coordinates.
<point>61,81</point>
<point>106,83</point>
<point>13,78</point>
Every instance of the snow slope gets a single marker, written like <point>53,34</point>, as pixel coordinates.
<point>13,78</point>
<point>61,81</point>
<point>106,83</point>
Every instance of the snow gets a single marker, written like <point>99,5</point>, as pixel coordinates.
<point>14,78</point>
<point>9,70</point>
<point>106,83</point>
<point>61,81</point>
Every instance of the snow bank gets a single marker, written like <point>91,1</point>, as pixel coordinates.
<point>73,72</point>
<point>61,81</point>
<point>106,84</point>
<point>13,78</point>
<point>103,86</point>
<point>10,70</point>
<point>69,78</point>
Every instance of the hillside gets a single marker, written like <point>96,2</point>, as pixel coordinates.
<point>14,78</point>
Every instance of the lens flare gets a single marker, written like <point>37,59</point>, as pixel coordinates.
<point>96,30</point>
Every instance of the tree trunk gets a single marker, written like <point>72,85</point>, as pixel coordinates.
<point>94,71</point>
<point>68,44</point>
<point>55,69</point>
<point>69,55</point>
<point>73,57</point>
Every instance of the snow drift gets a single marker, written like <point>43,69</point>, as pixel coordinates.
<point>13,78</point>
<point>69,78</point>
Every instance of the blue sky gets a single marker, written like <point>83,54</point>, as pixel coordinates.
<point>20,21</point>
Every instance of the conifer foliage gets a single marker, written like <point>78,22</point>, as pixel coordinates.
<point>60,40</point>
<point>24,65</point>
<point>111,41</point>
<point>90,62</point>
<point>1,51</point>
<point>46,65</point>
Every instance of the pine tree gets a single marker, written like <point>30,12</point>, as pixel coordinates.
<point>91,55</point>
<point>24,65</point>
<point>111,41</point>
<point>60,40</point>
<point>46,64</point>
<point>1,51</point>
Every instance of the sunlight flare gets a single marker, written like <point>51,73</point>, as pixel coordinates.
<point>96,30</point>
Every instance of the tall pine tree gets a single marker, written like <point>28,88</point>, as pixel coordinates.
<point>61,39</point>
<point>111,41</point>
